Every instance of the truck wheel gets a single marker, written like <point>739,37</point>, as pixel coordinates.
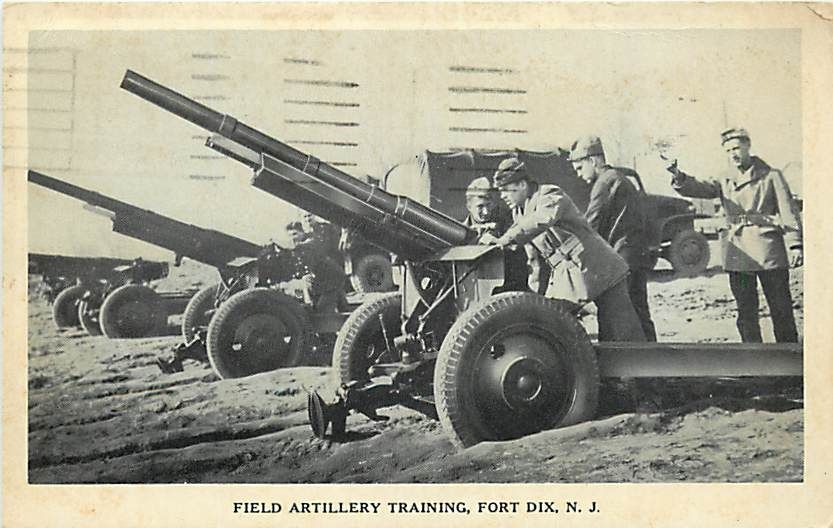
<point>132,310</point>
<point>88,312</point>
<point>689,253</point>
<point>257,330</point>
<point>361,336</point>
<point>195,315</point>
<point>65,307</point>
<point>514,364</point>
<point>372,273</point>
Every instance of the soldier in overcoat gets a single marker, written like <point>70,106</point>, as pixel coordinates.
<point>583,266</point>
<point>617,212</point>
<point>761,238</point>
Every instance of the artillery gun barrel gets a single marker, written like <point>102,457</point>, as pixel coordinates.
<point>203,245</point>
<point>447,231</point>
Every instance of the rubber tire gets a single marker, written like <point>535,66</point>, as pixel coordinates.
<point>242,304</point>
<point>367,265</point>
<point>362,326</point>
<point>194,315</point>
<point>91,324</point>
<point>452,388</point>
<point>677,259</point>
<point>113,328</point>
<point>65,307</point>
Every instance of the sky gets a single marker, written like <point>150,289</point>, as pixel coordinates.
<point>366,100</point>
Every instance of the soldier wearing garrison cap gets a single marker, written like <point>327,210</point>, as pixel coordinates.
<point>761,238</point>
<point>617,212</point>
<point>488,215</point>
<point>583,267</point>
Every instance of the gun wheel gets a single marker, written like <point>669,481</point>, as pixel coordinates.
<point>65,307</point>
<point>512,365</point>
<point>195,315</point>
<point>132,310</point>
<point>361,340</point>
<point>689,253</point>
<point>88,312</point>
<point>257,330</point>
<point>372,273</point>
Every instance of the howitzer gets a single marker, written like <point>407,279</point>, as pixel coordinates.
<point>73,283</point>
<point>490,364</point>
<point>244,267</point>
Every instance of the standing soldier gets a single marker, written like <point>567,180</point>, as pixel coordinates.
<point>616,212</point>
<point>762,236</point>
<point>584,267</point>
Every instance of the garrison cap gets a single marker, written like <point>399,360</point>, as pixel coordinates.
<point>509,171</point>
<point>587,146</point>
<point>733,133</point>
<point>480,187</point>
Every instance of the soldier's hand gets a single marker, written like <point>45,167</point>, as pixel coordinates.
<point>672,167</point>
<point>796,257</point>
<point>345,241</point>
<point>488,239</point>
<point>307,280</point>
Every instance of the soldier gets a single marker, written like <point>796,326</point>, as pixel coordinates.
<point>488,215</point>
<point>762,236</point>
<point>583,266</point>
<point>325,233</point>
<point>485,213</point>
<point>616,212</point>
<point>321,277</point>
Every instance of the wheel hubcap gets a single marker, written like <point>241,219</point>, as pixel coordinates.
<point>690,252</point>
<point>521,382</point>
<point>375,276</point>
<point>261,334</point>
<point>135,316</point>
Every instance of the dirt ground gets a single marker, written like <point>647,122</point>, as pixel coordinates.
<point>100,411</point>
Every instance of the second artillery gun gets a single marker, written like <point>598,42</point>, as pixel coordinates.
<point>490,366</point>
<point>244,268</point>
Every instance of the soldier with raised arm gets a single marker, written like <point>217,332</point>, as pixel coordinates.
<point>762,236</point>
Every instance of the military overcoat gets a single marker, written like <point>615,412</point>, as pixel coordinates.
<point>762,219</point>
<point>583,265</point>
<point>617,212</point>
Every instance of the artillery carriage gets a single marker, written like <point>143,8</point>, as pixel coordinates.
<point>77,286</point>
<point>489,365</point>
